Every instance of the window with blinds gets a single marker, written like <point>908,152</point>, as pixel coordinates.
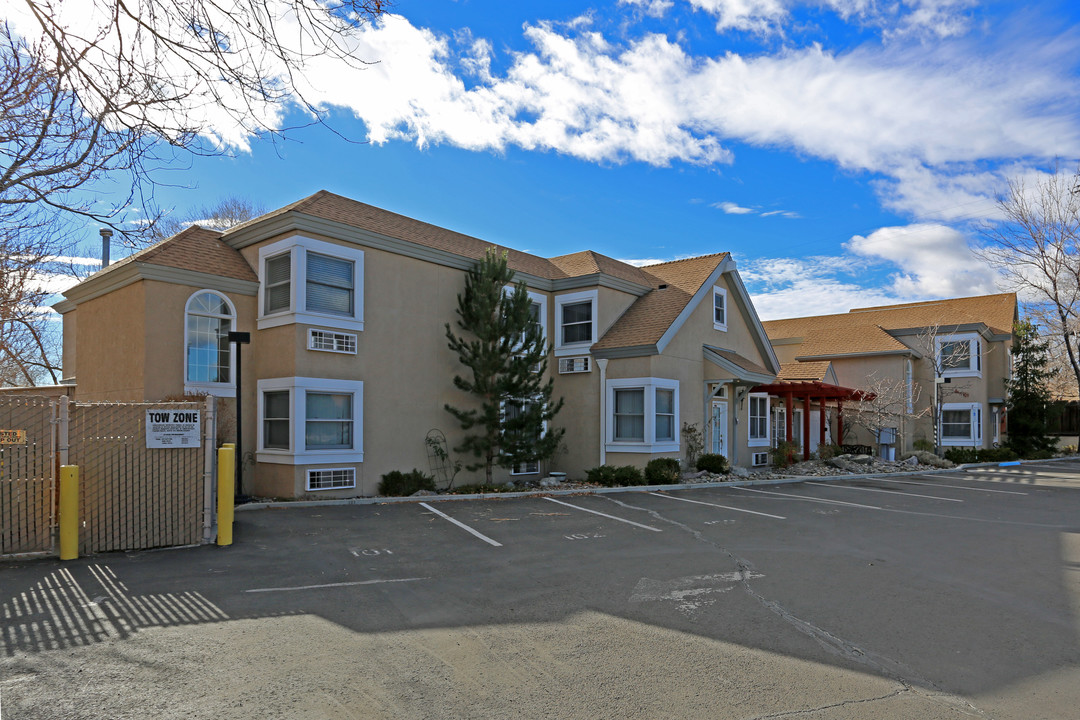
<point>330,284</point>
<point>277,283</point>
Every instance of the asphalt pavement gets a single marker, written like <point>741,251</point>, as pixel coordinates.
<point>949,595</point>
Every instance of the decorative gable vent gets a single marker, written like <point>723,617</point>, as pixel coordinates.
<point>759,459</point>
<point>332,341</point>
<point>573,365</point>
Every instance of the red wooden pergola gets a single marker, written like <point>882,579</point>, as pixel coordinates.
<point>808,391</point>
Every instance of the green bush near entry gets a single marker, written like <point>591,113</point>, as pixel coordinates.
<point>713,463</point>
<point>663,471</point>
<point>399,484</point>
<point>611,476</point>
<point>960,455</point>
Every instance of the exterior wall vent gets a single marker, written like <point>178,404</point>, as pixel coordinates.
<point>574,365</point>
<point>332,341</point>
<point>331,479</point>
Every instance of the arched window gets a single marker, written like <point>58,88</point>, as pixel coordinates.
<point>209,317</point>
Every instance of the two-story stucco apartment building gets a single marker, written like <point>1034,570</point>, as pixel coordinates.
<point>348,367</point>
<point>952,352</point>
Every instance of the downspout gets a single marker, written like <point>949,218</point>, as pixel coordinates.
<point>602,364</point>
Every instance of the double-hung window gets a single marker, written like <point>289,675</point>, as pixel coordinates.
<point>758,420</point>
<point>310,420</point>
<point>208,356</point>
<point>575,321</point>
<point>312,282</point>
<point>642,415</point>
<point>720,308</point>
<point>959,355</point>
<point>960,424</point>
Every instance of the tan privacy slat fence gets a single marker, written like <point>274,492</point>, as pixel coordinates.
<point>26,475</point>
<point>132,497</point>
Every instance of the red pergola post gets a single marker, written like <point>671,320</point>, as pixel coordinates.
<point>806,428</point>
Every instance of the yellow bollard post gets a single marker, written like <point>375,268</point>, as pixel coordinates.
<point>69,512</point>
<point>226,474</point>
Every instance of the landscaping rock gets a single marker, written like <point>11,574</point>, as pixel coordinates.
<point>423,493</point>
<point>929,458</point>
<point>740,472</point>
<point>550,482</point>
<point>846,463</point>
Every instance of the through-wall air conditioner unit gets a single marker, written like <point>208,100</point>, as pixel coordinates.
<point>573,365</point>
<point>759,459</point>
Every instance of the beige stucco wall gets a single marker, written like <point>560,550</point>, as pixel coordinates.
<point>69,336</point>
<point>110,335</point>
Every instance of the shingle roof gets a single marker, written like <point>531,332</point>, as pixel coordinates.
<point>812,370</point>
<point>328,206</point>
<point>650,316</point>
<point>195,249</point>
<point>740,361</point>
<point>865,330</point>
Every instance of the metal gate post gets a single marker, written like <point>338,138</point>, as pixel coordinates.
<point>209,457</point>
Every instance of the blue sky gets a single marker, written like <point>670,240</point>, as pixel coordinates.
<point>844,151</point>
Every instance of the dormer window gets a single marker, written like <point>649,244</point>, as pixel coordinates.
<point>959,355</point>
<point>575,320</point>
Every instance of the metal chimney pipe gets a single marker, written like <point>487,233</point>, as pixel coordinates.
<point>106,233</point>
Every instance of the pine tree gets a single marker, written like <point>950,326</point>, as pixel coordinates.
<point>502,344</point>
<point>1029,395</point>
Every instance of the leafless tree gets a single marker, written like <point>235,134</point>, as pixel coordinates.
<point>106,91</point>
<point>28,348</point>
<point>1037,248</point>
<point>222,215</point>
<point>888,402</point>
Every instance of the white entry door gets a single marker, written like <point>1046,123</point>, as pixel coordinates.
<point>718,425</point>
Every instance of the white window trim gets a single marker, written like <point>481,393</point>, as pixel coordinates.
<point>759,442</point>
<point>578,348</point>
<point>723,293</point>
<point>216,389</point>
<point>650,444</point>
<point>975,423</point>
<point>307,483</point>
<point>298,454</point>
<point>543,431</point>
<point>974,350</point>
<point>298,247</point>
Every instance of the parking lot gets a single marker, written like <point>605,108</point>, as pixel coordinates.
<point>945,595</point>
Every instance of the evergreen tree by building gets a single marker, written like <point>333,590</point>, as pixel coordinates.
<point>1029,394</point>
<point>503,347</point>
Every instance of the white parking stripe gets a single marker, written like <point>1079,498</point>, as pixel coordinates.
<point>726,507</point>
<point>612,517</point>
<point>955,487</point>
<point>334,585</point>
<point>890,492</point>
<point>972,478</point>
<point>463,526</point>
<point>807,499</point>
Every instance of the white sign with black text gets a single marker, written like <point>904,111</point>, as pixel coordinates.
<point>166,428</point>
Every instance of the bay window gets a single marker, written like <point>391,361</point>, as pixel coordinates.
<point>312,282</point>
<point>960,425</point>
<point>309,420</point>
<point>642,415</point>
<point>959,355</point>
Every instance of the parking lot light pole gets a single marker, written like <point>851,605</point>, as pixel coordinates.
<point>238,339</point>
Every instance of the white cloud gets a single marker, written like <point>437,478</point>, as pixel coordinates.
<point>891,265</point>
<point>652,8</point>
<point>939,18</point>
<point>919,116</point>
<point>733,209</point>
<point>933,261</point>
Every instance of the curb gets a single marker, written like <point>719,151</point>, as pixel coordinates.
<point>787,480</point>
